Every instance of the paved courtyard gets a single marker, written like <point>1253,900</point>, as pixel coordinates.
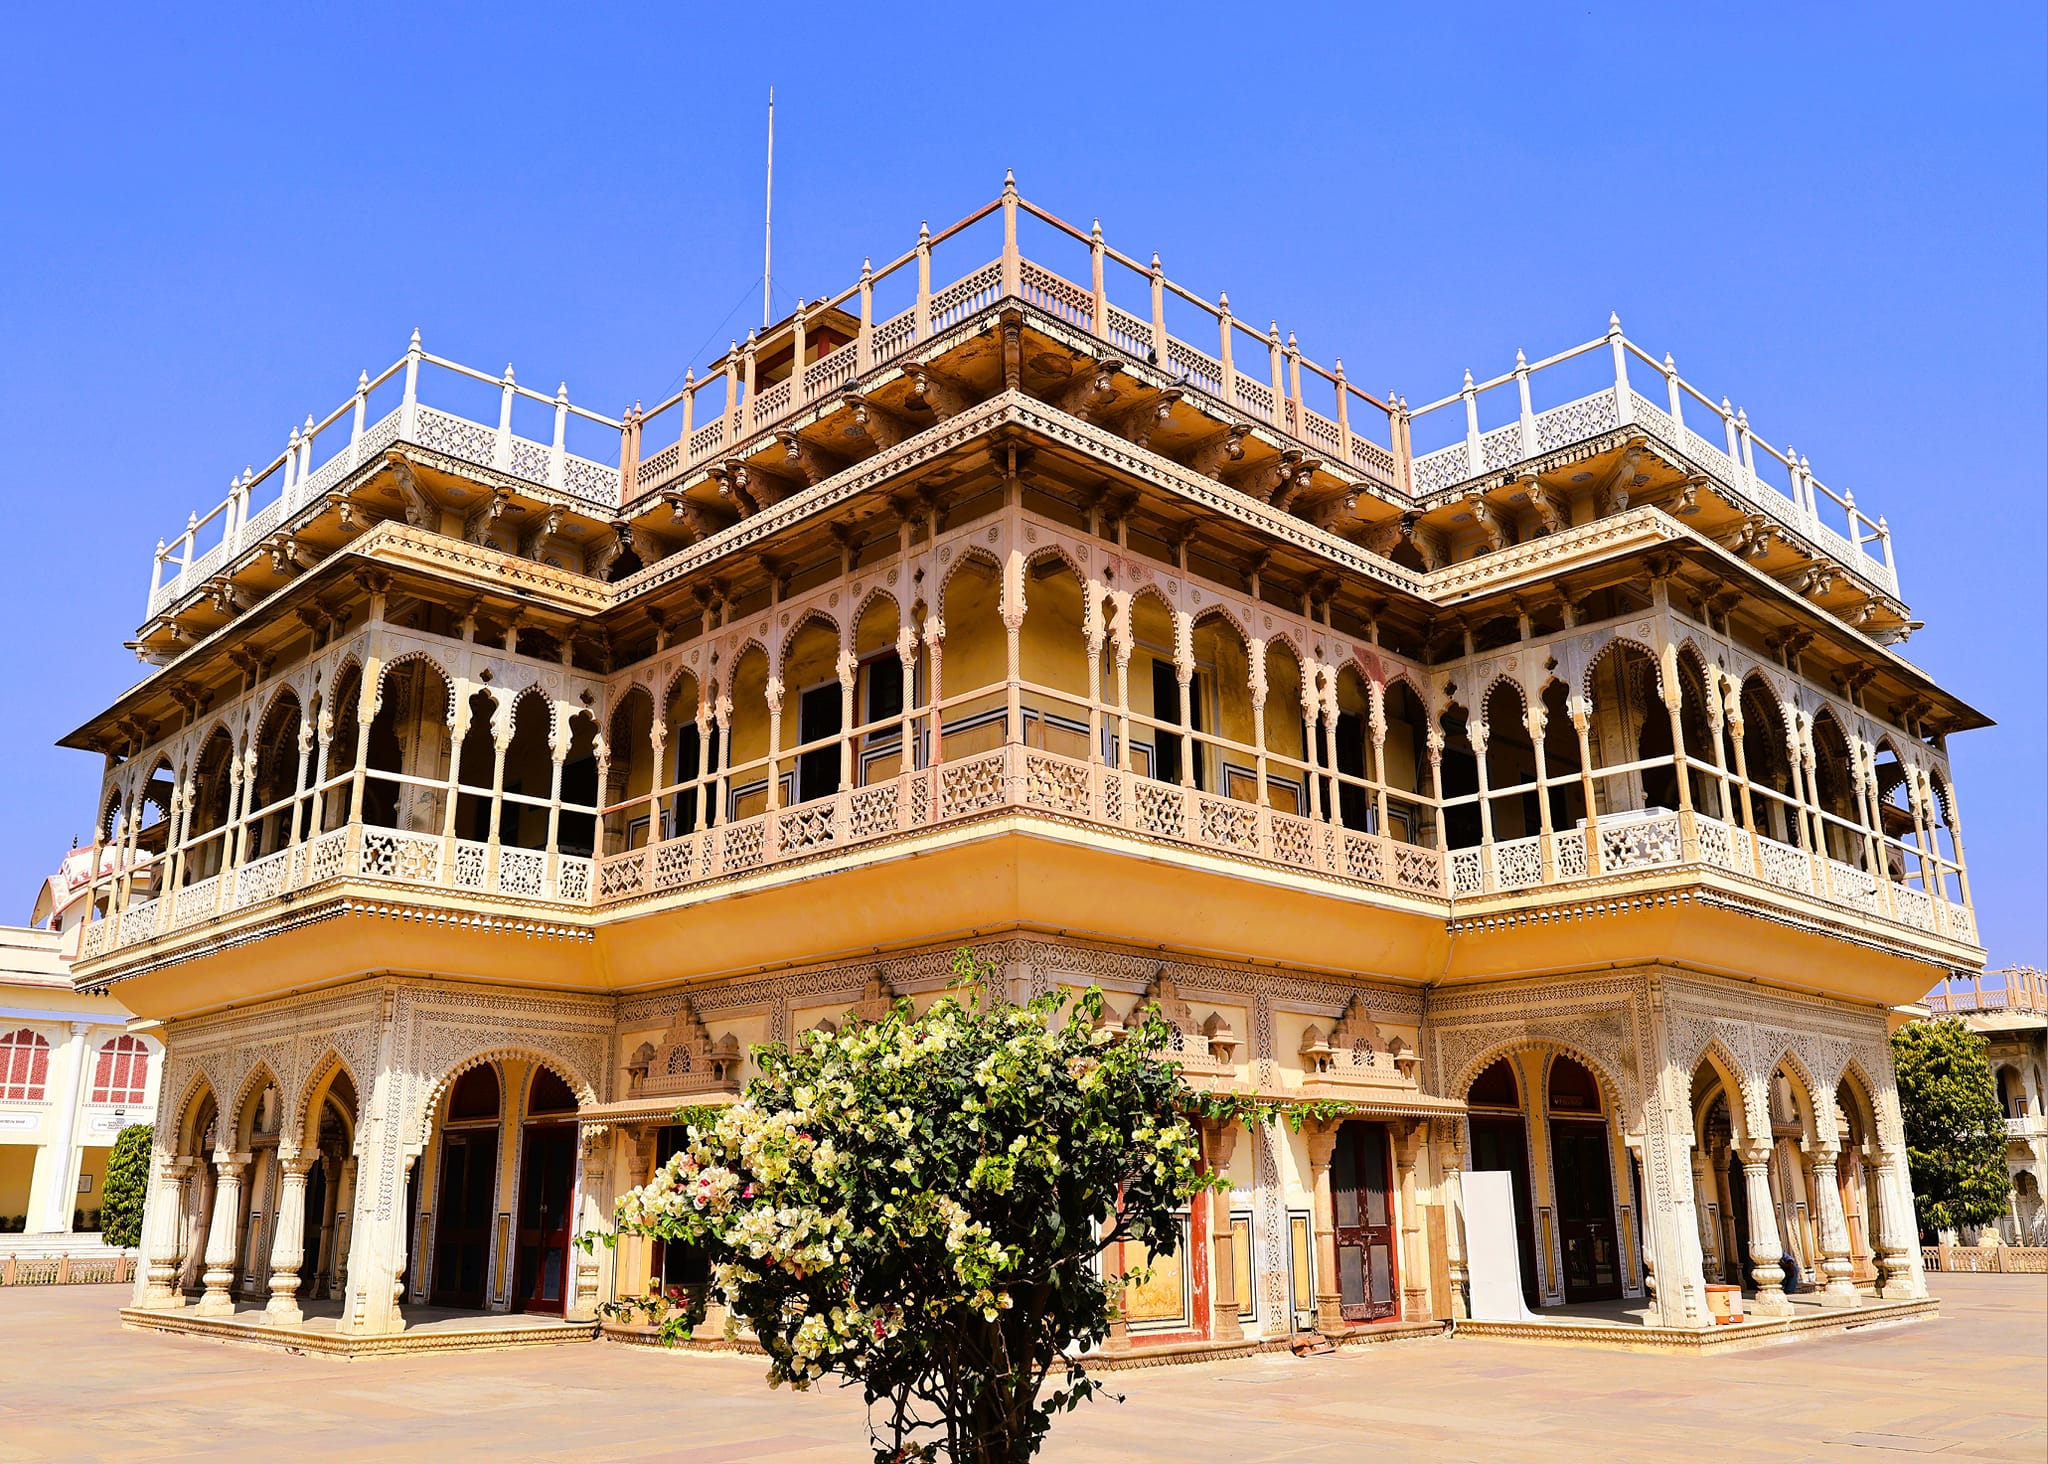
<point>1974,1384</point>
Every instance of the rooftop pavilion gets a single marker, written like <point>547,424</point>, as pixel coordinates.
<point>1415,484</point>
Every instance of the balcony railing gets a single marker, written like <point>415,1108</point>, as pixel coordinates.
<point>1026,780</point>
<point>2018,989</point>
<point>1788,493</point>
<point>1251,375</point>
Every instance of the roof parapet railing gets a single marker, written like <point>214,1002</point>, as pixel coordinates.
<point>1790,493</point>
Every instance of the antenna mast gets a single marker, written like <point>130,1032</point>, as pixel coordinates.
<point>768,222</point>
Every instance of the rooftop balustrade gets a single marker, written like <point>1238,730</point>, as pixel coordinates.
<point>1785,488</point>
<point>1132,308</point>
<point>2017,989</point>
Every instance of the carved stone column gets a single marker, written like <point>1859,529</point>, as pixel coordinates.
<point>1835,1266</point>
<point>1322,1144</point>
<point>161,1222</point>
<point>1218,1141</point>
<point>223,1236</point>
<point>330,1194</point>
<point>1765,1247</point>
<point>1898,1275</point>
<point>1415,1258</point>
<point>1450,1158</point>
<point>288,1248</point>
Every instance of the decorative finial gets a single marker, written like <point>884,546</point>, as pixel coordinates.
<point>1095,231</point>
<point>508,373</point>
<point>1468,378</point>
<point>362,381</point>
<point>562,393</point>
<point>295,435</point>
<point>1009,180</point>
<point>924,230</point>
<point>415,338</point>
<point>1669,364</point>
<point>689,377</point>
<point>1155,261</point>
<point>309,424</point>
<point>1614,322</point>
<point>1223,301</point>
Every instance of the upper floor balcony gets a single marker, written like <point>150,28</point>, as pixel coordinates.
<point>1128,316</point>
<point>1014,668</point>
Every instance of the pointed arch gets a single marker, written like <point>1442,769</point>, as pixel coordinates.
<point>967,554</point>
<point>563,1067</point>
<point>190,1116</point>
<point>329,1069</point>
<point>815,615</point>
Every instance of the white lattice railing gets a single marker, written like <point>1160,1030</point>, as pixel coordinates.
<point>1012,779</point>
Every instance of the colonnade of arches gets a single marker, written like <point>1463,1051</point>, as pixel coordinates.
<point>495,770</point>
<point>1792,1193</point>
<point>255,1201</point>
<point>1101,667</point>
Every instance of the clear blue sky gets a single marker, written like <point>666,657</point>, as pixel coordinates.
<point>212,220</point>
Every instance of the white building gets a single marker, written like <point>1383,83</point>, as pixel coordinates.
<point>71,1077</point>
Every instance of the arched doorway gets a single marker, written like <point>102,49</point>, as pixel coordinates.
<point>1582,1171</point>
<point>1500,1141</point>
<point>547,1173</point>
<point>467,1191</point>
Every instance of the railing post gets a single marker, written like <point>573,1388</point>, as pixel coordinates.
<point>1813,495</point>
<point>1624,408</point>
<point>355,431</point>
<point>501,447</point>
<point>1228,384</point>
<point>1884,538</point>
<point>1013,283</point>
<point>923,318</point>
<point>409,407</point>
<point>1159,353</point>
<point>306,452</point>
<point>689,417</point>
<point>156,577</point>
<point>291,465</point>
<point>732,389</point>
<point>747,377</point>
<point>1403,435</point>
<point>1746,458</point>
<point>1677,403</point>
<point>629,451</point>
<point>799,343</point>
<point>1273,359</point>
<point>864,353</point>
<point>1343,420</point>
<point>1095,259</point>
<point>1475,460</point>
<point>191,539</point>
<point>1294,411</point>
<point>1527,404</point>
<point>1728,430</point>
<point>558,453</point>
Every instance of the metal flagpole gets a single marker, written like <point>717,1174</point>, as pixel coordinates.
<point>768,222</point>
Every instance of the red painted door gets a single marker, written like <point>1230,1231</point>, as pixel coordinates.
<point>546,1179</point>
<point>1362,1191</point>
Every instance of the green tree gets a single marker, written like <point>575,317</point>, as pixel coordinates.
<point>1955,1130</point>
<point>916,1205</point>
<point>127,1186</point>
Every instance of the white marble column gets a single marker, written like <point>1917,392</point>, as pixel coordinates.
<point>1835,1266</point>
<point>162,1220</point>
<point>1898,1251</point>
<point>223,1236</point>
<point>1766,1249</point>
<point>288,1248</point>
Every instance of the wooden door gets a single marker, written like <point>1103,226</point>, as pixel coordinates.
<point>1585,1210</point>
<point>1362,1193</point>
<point>1503,1143</point>
<point>546,1180</point>
<point>462,1228</point>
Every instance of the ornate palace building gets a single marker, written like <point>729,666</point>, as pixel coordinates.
<point>1535,770</point>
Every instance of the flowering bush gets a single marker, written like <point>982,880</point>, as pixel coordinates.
<point>916,1204</point>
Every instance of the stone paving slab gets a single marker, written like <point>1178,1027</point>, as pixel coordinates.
<point>1972,1384</point>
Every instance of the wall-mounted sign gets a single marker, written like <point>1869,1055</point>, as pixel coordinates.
<point>19,1120</point>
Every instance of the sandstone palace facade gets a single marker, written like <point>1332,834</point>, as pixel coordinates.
<point>1536,770</point>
